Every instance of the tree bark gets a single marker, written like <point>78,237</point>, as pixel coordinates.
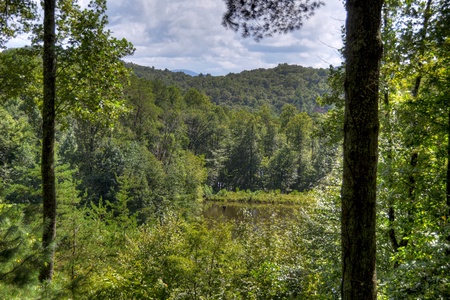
<point>447,184</point>
<point>48,142</point>
<point>363,52</point>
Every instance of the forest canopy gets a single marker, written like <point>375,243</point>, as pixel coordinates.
<point>284,84</point>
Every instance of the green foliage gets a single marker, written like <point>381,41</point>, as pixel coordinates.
<point>285,84</point>
<point>143,182</point>
<point>333,123</point>
<point>88,239</point>
<point>118,189</point>
<point>282,173</point>
<point>298,131</point>
<point>16,142</point>
<point>19,174</point>
<point>135,162</point>
<point>244,155</point>
<point>91,75</point>
<point>200,260</point>
<point>413,179</point>
<point>19,250</point>
<point>172,259</point>
<point>19,69</point>
<point>16,17</point>
<point>102,253</point>
<point>142,119</point>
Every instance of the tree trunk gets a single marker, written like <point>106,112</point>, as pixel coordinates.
<point>447,183</point>
<point>48,142</point>
<point>448,171</point>
<point>363,52</point>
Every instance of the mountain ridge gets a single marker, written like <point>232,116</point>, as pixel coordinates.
<point>284,84</point>
<point>185,71</point>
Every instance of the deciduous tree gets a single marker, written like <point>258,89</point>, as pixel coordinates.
<point>89,84</point>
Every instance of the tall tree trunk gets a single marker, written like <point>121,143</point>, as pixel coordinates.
<point>363,52</point>
<point>448,173</point>
<point>447,183</point>
<point>48,142</point>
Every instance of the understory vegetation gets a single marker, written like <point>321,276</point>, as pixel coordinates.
<point>103,253</point>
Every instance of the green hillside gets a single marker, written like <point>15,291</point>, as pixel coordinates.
<point>284,84</point>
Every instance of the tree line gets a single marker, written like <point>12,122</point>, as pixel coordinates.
<point>284,84</point>
<point>169,145</point>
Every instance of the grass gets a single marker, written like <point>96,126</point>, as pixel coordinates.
<point>260,197</point>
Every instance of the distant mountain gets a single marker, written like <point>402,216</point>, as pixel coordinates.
<point>187,72</point>
<point>284,84</point>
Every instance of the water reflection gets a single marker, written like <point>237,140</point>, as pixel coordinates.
<point>238,212</point>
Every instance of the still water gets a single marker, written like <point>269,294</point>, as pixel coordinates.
<point>254,213</point>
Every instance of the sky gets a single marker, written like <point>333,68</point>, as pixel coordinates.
<point>188,34</point>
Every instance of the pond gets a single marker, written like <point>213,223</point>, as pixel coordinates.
<point>246,212</point>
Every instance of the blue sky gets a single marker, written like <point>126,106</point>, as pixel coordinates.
<point>182,34</point>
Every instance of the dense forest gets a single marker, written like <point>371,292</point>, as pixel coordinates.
<point>285,84</point>
<point>169,144</point>
<point>141,153</point>
<point>168,151</point>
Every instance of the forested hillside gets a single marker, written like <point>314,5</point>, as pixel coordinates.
<point>167,151</point>
<point>141,155</point>
<point>284,84</point>
<point>187,142</point>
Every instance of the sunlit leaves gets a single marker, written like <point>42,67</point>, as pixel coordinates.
<point>16,17</point>
<point>90,74</point>
<point>415,125</point>
<point>19,73</point>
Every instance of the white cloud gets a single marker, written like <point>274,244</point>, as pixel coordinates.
<point>181,34</point>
